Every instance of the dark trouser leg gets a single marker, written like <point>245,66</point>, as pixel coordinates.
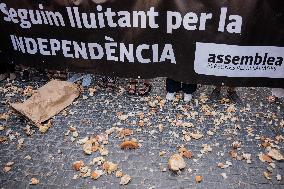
<point>189,88</point>
<point>11,67</point>
<point>231,89</point>
<point>218,88</point>
<point>216,93</point>
<point>3,67</point>
<point>172,86</point>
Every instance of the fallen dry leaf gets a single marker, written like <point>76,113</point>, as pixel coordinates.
<point>176,162</point>
<point>44,128</point>
<point>34,181</point>
<point>92,91</point>
<point>233,154</point>
<point>98,161</point>
<point>129,145</point>
<point>20,143</point>
<point>125,132</point>
<point>231,109</point>
<point>104,151</point>
<point>7,169</point>
<point>278,177</point>
<point>247,157</point>
<point>77,165</point>
<point>206,148</point>
<point>224,166</point>
<point>125,180</point>
<point>264,158</point>
<point>198,178</point>
<point>122,117</point>
<point>3,139</point>
<point>267,175</point>
<point>4,116</point>
<point>236,144</point>
<point>109,167</point>
<point>102,138</point>
<point>224,175</point>
<point>161,127</point>
<point>88,147</point>
<point>196,136</point>
<point>275,154</point>
<point>119,174</point>
<point>162,153</point>
<point>96,174</point>
<point>185,153</point>
<point>8,166</point>
<point>72,129</point>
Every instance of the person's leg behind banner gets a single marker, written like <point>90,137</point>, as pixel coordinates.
<point>188,90</point>
<point>107,82</point>
<point>3,71</point>
<point>7,70</point>
<point>132,86</point>
<point>233,96</point>
<point>215,94</point>
<point>110,82</point>
<point>172,87</point>
<point>146,88</point>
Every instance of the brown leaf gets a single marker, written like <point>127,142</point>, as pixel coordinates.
<point>7,169</point>
<point>125,180</point>
<point>72,129</point>
<point>3,139</point>
<point>267,175</point>
<point>265,144</point>
<point>88,147</point>
<point>141,123</point>
<point>221,165</point>
<point>185,153</point>
<point>122,117</point>
<point>176,162</point>
<point>196,136</point>
<point>119,174</point>
<point>275,154</point>
<point>264,158</point>
<point>233,154</point>
<point>77,165</point>
<point>96,174</point>
<point>129,145</point>
<point>34,181</point>
<point>109,167</point>
<point>125,132</point>
<point>198,178</point>
<point>236,145</point>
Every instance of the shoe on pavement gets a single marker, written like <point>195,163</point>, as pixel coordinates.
<point>215,95</point>
<point>187,97</point>
<point>170,96</point>
<point>234,97</point>
<point>26,75</point>
<point>3,76</point>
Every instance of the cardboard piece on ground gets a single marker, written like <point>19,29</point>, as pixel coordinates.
<point>48,101</point>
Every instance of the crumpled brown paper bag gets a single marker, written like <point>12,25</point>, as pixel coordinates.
<point>48,101</point>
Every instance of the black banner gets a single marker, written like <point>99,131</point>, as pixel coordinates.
<point>232,42</point>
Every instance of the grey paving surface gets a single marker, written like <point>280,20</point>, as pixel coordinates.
<point>53,153</point>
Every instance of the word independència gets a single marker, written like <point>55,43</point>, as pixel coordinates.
<point>110,50</point>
